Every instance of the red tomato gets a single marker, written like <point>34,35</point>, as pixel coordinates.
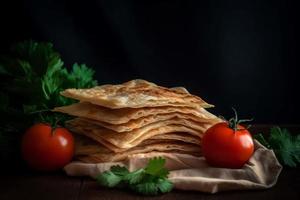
<point>224,147</point>
<point>47,149</point>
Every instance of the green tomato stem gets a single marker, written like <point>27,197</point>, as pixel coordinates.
<point>235,121</point>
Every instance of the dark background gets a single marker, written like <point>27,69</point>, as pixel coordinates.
<point>231,53</point>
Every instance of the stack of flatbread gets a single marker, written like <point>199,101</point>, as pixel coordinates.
<point>115,121</point>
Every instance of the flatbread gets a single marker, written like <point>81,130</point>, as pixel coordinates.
<point>96,148</point>
<point>136,94</point>
<point>136,136</point>
<point>144,121</point>
<point>124,115</point>
<point>87,146</point>
<point>160,147</point>
<point>106,142</point>
<point>179,136</point>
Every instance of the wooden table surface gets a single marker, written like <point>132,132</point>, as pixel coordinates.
<point>32,185</point>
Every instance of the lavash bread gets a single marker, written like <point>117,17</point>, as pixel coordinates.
<point>115,121</point>
<point>136,94</point>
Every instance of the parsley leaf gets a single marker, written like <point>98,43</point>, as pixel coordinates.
<point>285,145</point>
<point>81,77</point>
<point>32,76</point>
<point>36,75</point>
<point>150,180</point>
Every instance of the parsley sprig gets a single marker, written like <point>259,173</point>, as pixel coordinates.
<point>151,180</point>
<point>32,75</point>
<point>285,146</point>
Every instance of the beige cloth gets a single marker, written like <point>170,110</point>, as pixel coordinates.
<point>193,173</point>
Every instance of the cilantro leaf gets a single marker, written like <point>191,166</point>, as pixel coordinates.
<point>150,180</point>
<point>135,177</point>
<point>118,170</point>
<point>155,167</point>
<point>153,187</point>
<point>109,179</point>
<point>147,188</point>
<point>164,185</point>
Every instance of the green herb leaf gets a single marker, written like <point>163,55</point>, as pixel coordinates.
<point>118,170</point>
<point>81,76</point>
<point>164,185</point>
<point>150,180</point>
<point>109,179</point>
<point>285,145</point>
<point>32,77</point>
<point>135,177</point>
<point>155,167</point>
<point>147,188</point>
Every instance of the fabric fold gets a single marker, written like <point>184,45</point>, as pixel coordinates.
<point>189,172</point>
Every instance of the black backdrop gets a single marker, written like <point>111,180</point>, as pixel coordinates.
<point>231,53</point>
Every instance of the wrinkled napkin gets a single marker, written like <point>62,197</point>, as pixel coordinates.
<point>188,172</point>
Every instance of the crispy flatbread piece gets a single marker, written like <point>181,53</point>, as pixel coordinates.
<point>125,145</point>
<point>136,136</point>
<point>160,147</point>
<point>87,146</point>
<point>179,136</point>
<point>144,121</point>
<point>124,115</point>
<point>136,94</point>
